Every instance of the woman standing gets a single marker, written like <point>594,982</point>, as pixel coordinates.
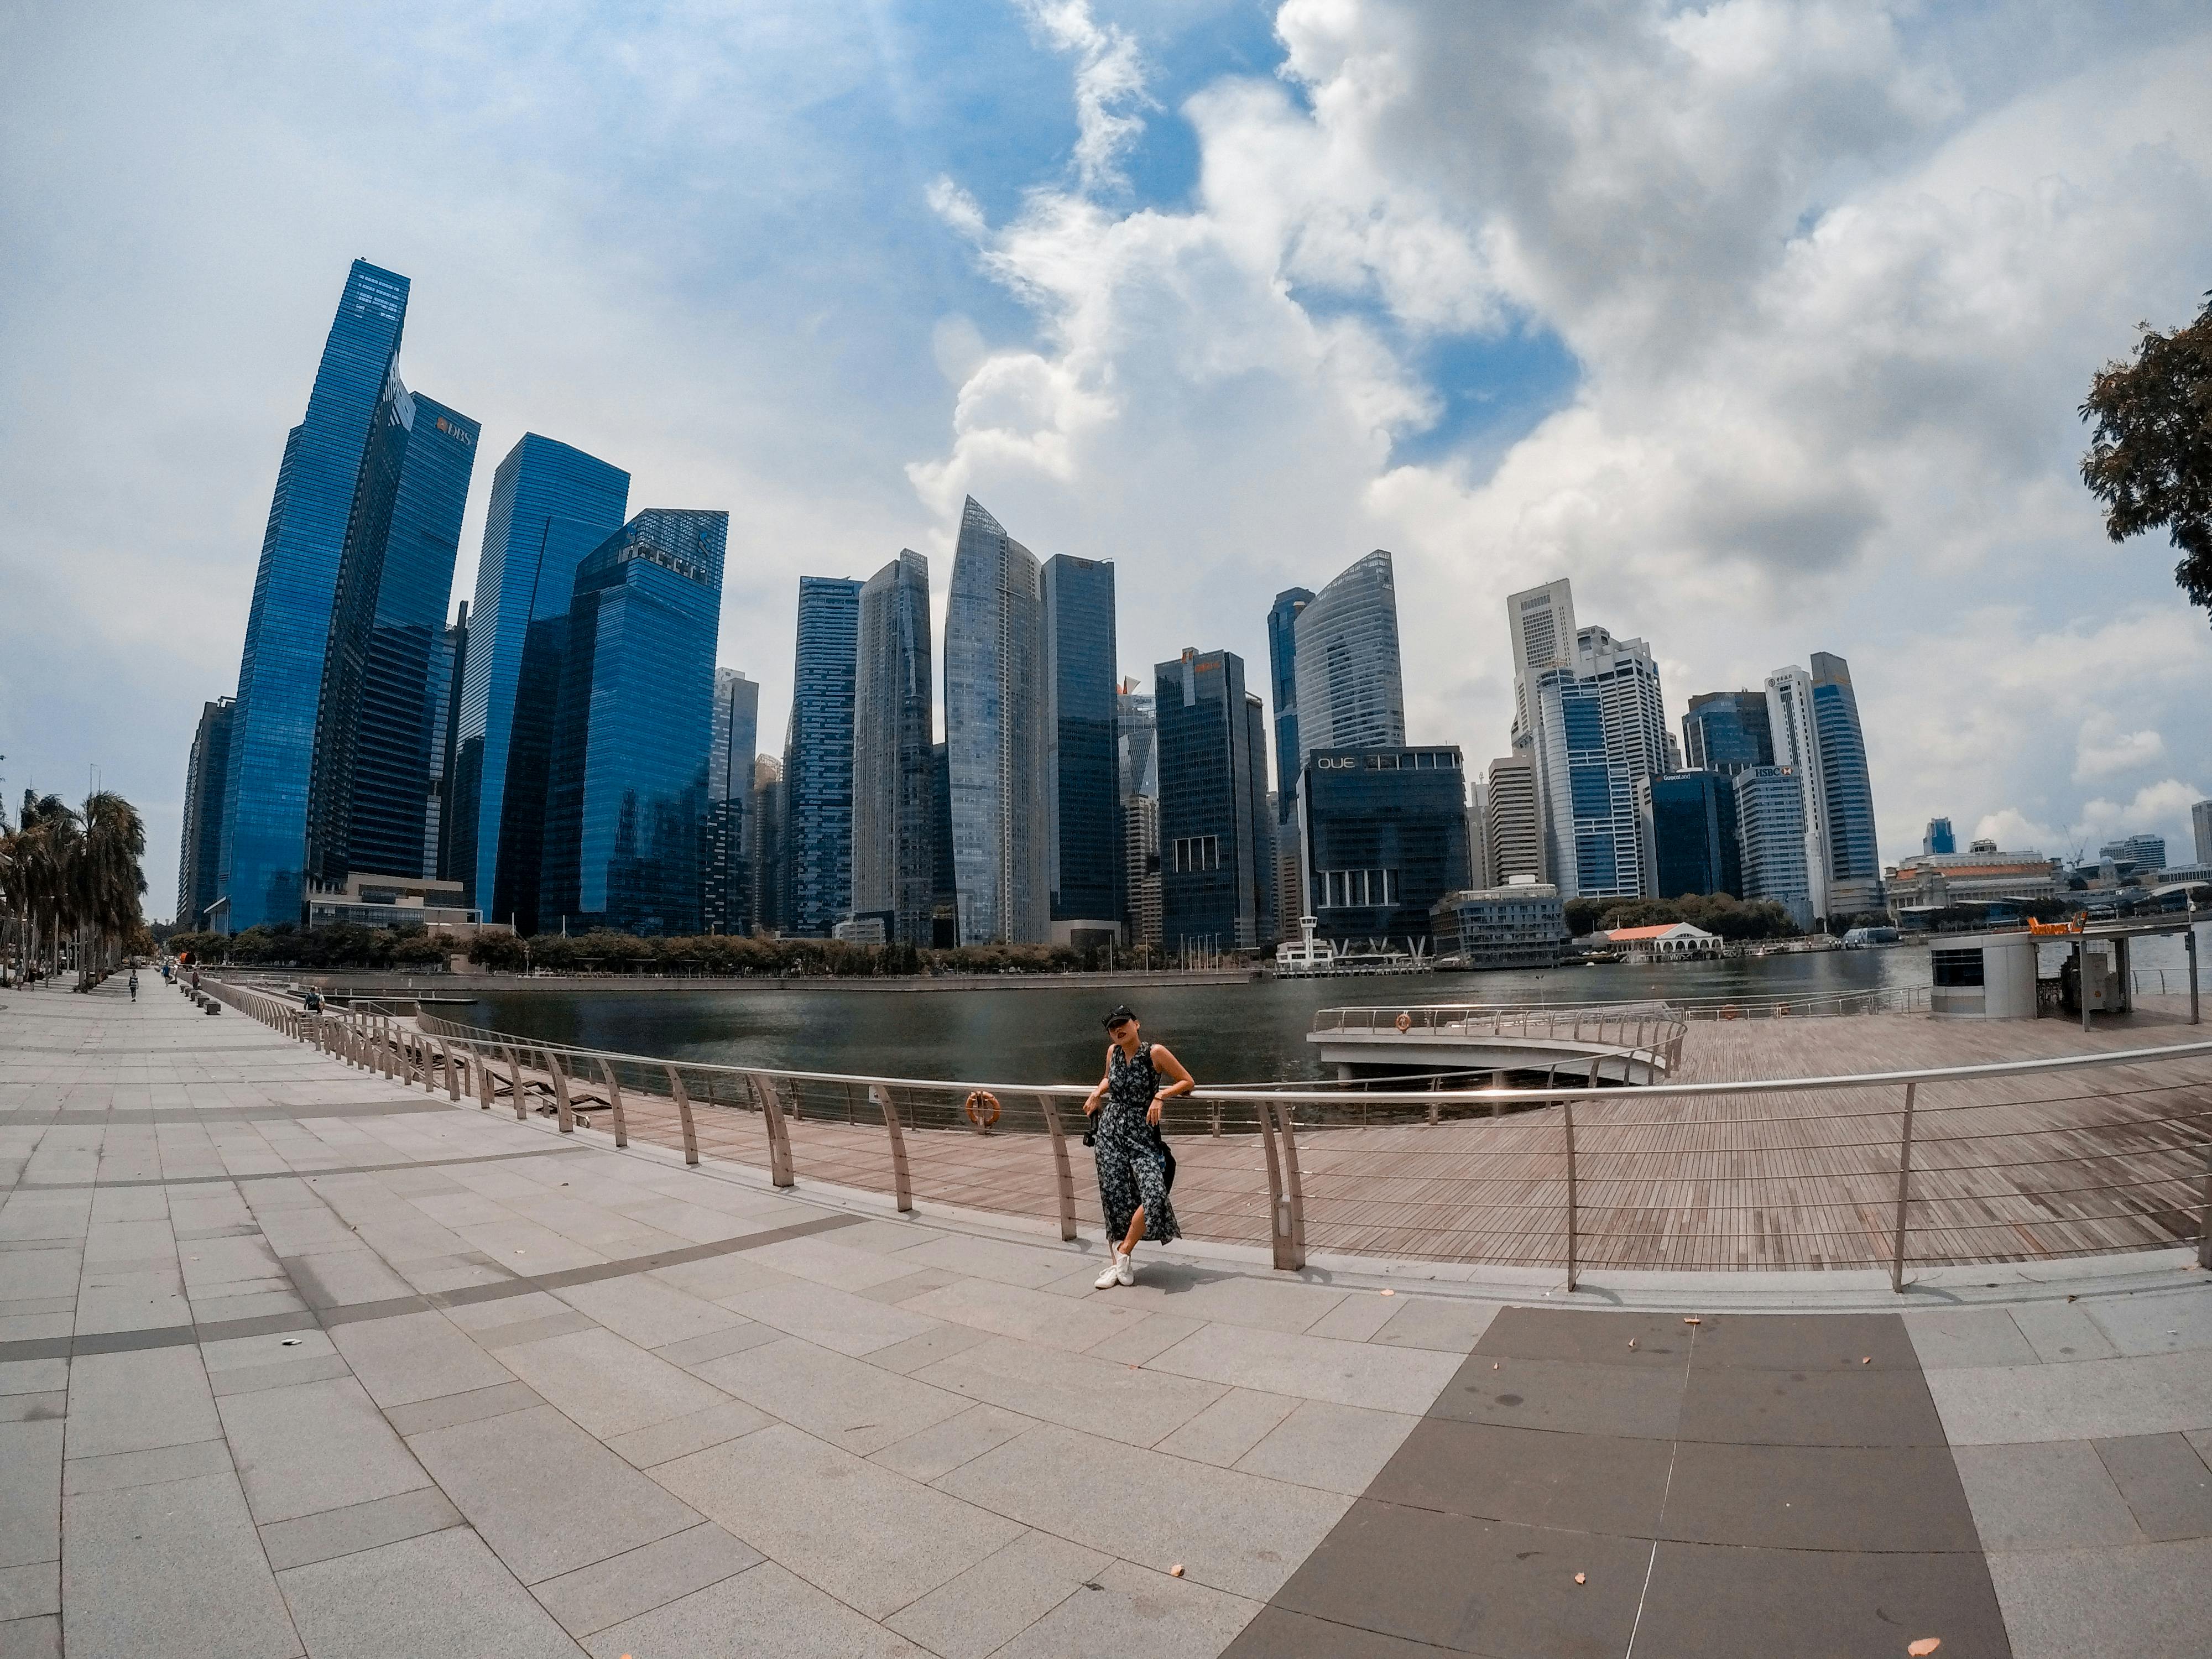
<point>1133,1180</point>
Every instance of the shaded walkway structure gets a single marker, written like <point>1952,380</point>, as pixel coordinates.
<point>297,1359</point>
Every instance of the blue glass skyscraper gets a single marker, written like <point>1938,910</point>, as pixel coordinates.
<point>1216,892</point>
<point>1728,731</point>
<point>550,505</point>
<point>288,629</point>
<point>1846,791</point>
<point>626,802</point>
<point>894,769</point>
<point>727,877</point>
<point>1283,676</point>
<point>201,850</point>
<point>1082,764</point>
<point>817,759</point>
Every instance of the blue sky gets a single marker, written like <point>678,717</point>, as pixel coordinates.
<point>1764,322</point>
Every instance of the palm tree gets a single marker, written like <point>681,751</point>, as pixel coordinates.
<point>40,852</point>
<point>107,879</point>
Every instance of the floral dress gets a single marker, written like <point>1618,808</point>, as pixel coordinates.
<point>1131,1170</point>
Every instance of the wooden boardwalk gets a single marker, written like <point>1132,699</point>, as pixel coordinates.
<point>2004,1169</point>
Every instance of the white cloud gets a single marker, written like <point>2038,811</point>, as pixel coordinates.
<point>1109,85</point>
<point>2100,752</point>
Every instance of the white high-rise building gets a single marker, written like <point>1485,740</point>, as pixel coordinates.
<point>1797,746</point>
<point>1350,691</point>
<point>1770,807</point>
<point>1542,622</point>
<point>2200,820</point>
<point>1510,806</point>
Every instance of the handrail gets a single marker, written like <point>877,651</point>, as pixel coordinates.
<point>1569,1187</point>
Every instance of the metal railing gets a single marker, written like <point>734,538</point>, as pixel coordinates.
<point>1648,1031</point>
<point>2076,1156</point>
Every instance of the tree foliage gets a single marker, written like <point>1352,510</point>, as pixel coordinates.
<point>75,871</point>
<point>2150,460</point>
<point>1723,914</point>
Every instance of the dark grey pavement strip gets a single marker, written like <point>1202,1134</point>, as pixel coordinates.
<point>349,1313</point>
<point>291,1174</point>
<point>74,1116</point>
<point>1746,1484</point>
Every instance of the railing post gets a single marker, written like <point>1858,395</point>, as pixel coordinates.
<point>452,1072</point>
<point>902,1182</point>
<point>1904,1193</point>
<point>564,1109</point>
<point>483,1068</point>
<point>1285,1201</point>
<point>516,1098</point>
<point>683,1116</point>
<point>1574,1270</point>
<point>1064,1175</point>
<point>779,1132</point>
<point>615,1101</point>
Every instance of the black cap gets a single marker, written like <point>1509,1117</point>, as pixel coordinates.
<point>1121,1011</point>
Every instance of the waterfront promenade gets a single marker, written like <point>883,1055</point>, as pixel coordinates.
<point>296,1360</point>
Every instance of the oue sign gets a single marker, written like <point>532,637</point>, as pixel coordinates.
<point>1343,763</point>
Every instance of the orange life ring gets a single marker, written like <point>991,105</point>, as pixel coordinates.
<point>1728,1013</point>
<point>982,1108</point>
<point>1405,1024</point>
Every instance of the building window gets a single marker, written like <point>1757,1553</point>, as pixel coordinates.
<point>1955,967</point>
<point>1197,853</point>
<point>1358,889</point>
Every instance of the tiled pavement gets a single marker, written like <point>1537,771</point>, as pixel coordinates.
<point>293,1360</point>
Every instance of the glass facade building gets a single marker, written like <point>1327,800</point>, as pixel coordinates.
<point>1349,690</point>
<point>1688,821</point>
<point>550,505</point>
<point>198,857</point>
<point>894,769</point>
<point>451,665</point>
<point>994,732</point>
<point>1727,732</point>
<point>1770,815</point>
<point>626,802</point>
<point>1214,885</point>
<point>1283,680</point>
<point>1596,730</point>
<point>264,856</point>
<point>1081,764</point>
<point>817,759</point>
<point>1385,835</point>
<point>725,905</point>
<point>1846,791</point>
<point>1939,837</point>
<point>764,843</point>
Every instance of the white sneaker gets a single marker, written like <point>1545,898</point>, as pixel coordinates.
<point>1114,1274</point>
<point>1125,1272</point>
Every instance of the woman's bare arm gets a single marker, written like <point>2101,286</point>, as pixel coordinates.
<point>1183,1083</point>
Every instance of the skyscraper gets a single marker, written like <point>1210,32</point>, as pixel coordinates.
<point>727,903</point>
<point>1265,867</point>
<point>894,776</point>
<point>2145,853</point>
<point>1689,835</point>
<point>1137,740</point>
<point>1797,748</point>
<point>1596,729</point>
<point>1283,678</point>
<point>1727,732</point>
<point>1510,817</point>
<point>626,797</point>
<point>2200,825</point>
<point>1846,792</point>
<point>1385,833</point>
<point>1212,891</point>
<point>994,731</point>
<point>199,856</point>
<point>550,505</point>
<point>1349,694</point>
<point>1541,624</point>
<point>1140,852</point>
<point>765,844</point>
<point>1082,765</point>
<point>1771,839</point>
<point>380,740</point>
<point>1939,837</point>
<point>262,862</point>
<point>817,759</point>
<point>447,665</point>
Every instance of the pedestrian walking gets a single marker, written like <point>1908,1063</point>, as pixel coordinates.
<point>1134,1164</point>
<point>134,983</point>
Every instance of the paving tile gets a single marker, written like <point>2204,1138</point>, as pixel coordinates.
<point>439,1593</point>
<point>1864,1407</point>
<point>416,1356</point>
<point>2045,1494</point>
<point>973,1615</point>
<point>29,1592</point>
<point>320,1446</point>
<point>1149,1338</point>
<point>335,1532</point>
<point>1579,1482</point>
<point>679,1437</point>
<point>1279,1634</point>
<point>1578,1396</point>
<point>2068,1604</point>
<point>1661,1342</point>
<point>34,1376</point>
<point>874,1540</point>
<point>2164,1482</point>
<point>1122,1402</point>
<point>145,1469</point>
<point>1429,1322</point>
<point>281,1374</point>
<point>31,1639</point>
<point>2086,1400</point>
<point>643,1310</point>
<point>899,1290</point>
<point>1027,1266</point>
<point>1336,1448</point>
<point>181,1557</point>
<point>1312,1367</point>
<point>1728,1603</point>
<point>1131,1611</point>
<point>547,1496</point>
<point>608,1386</point>
<point>819,1261</point>
<point>1357,1318</point>
<point>500,1337</point>
<point>847,1402</point>
<point>2163,1321</point>
<point>467,1407</point>
<point>1483,1587</point>
<point>944,1447</point>
<point>2060,1331</point>
<point>740,1334</point>
<point>1947,1337</point>
<point>766,1611</point>
<point>834,1319</point>
<point>1229,1428</point>
<point>1028,1315</point>
<point>719,1276</point>
<point>592,1598</point>
<point>1233,1531</point>
<point>1257,1303</point>
<point>1803,1342</point>
<point>33,1407</point>
<point>1870,1498</point>
<point>911,1355</point>
<point>108,1393</point>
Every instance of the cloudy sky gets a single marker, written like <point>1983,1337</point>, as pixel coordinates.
<point>1765,323</point>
